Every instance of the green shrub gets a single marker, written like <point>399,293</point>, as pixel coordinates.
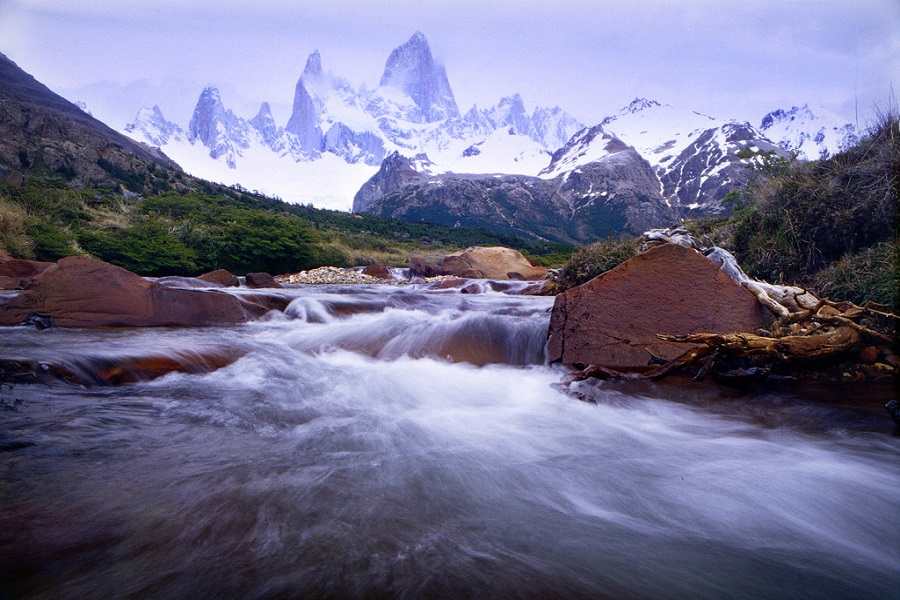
<point>147,248</point>
<point>256,241</point>
<point>594,259</point>
<point>49,241</point>
<point>872,274</point>
<point>13,238</point>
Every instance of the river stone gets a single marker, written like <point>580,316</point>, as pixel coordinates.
<point>84,292</point>
<point>419,267</point>
<point>261,280</point>
<point>494,262</point>
<point>377,270</point>
<point>613,319</point>
<point>222,277</point>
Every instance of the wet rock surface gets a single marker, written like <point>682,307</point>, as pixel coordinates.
<point>83,292</point>
<point>221,277</point>
<point>18,273</point>
<point>261,280</point>
<point>613,320</point>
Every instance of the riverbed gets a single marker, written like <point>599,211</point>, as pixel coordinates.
<point>404,442</point>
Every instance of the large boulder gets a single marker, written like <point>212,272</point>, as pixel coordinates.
<point>494,262</point>
<point>613,320</point>
<point>83,292</point>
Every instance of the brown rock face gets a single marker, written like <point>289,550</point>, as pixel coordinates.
<point>17,273</point>
<point>83,292</point>
<point>492,263</point>
<point>221,277</point>
<point>261,280</point>
<point>17,267</point>
<point>612,320</point>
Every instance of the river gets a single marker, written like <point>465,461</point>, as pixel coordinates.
<point>381,441</point>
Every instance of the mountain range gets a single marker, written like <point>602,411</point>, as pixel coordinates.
<point>337,135</point>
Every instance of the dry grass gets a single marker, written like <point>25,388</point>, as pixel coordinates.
<point>13,239</point>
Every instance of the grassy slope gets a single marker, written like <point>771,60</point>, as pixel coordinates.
<point>204,226</point>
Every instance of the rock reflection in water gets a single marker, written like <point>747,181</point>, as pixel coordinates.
<point>342,455</point>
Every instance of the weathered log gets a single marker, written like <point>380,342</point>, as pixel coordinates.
<point>785,349</point>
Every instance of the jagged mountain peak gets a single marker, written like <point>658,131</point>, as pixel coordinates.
<point>313,68</point>
<point>412,70</point>
<point>780,115</point>
<point>639,104</point>
<point>217,128</point>
<point>264,123</point>
<point>589,145</point>
<point>153,127</point>
<point>210,94</point>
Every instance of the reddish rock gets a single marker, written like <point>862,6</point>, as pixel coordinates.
<point>10,283</point>
<point>612,320</point>
<point>221,277</point>
<point>23,269</point>
<point>419,267</point>
<point>377,270</point>
<point>494,262</point>
<point>447,284</point>
<point>83,292</point>
<point>17,273</point>
<point>261,280</point>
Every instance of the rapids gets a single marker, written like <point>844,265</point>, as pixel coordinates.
<point>378,441</point>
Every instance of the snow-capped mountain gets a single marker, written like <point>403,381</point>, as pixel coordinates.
<point>413,111</point>
<point>338,136</point>
<point>695,156</point>
<point>809,136</point>
<point>152,127</point>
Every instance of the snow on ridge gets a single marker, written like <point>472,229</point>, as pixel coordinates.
<point>807,134</point>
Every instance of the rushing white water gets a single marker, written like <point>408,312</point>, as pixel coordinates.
<point>399,442</point>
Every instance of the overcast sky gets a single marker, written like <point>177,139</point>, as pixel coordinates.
<point>727,58</point>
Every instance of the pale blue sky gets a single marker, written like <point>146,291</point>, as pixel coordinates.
<point>727,58</point>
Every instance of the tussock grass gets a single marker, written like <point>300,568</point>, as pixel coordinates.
<point>13,238</point>
<point>594,259</point>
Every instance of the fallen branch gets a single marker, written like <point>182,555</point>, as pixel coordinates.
<point>785,349</point>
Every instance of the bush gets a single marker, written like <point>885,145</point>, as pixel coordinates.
<point>256,241</point>
<point>870,275</point>
<point>818,212</point>
<point>596,258</point>
<point>50,242</point>
<point>146,248</point>
<point>13,238</point>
